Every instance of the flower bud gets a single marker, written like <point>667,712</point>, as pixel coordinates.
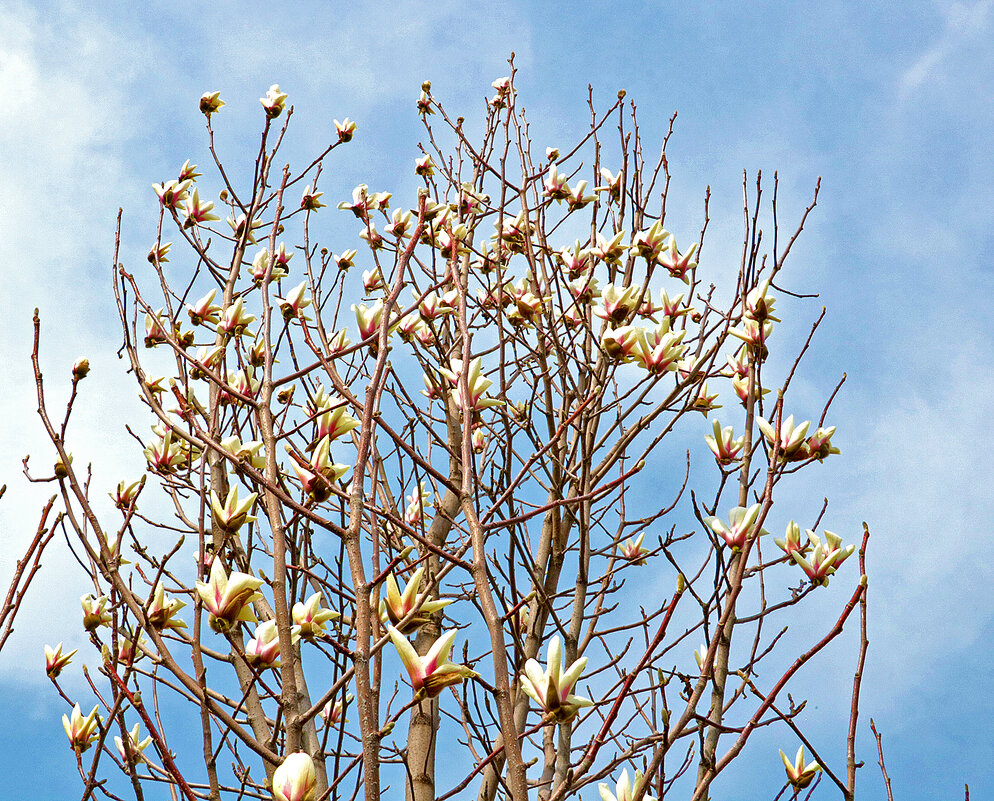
<point>80,369</point>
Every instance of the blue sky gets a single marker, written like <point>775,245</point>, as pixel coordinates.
<point>891,103</point>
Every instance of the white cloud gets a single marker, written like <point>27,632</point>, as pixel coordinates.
<point>965,25</point>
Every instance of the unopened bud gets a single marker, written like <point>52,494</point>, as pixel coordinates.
<point>80,369</point>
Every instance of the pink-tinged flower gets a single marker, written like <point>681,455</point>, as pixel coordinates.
<point>335,423</point>
<point>612,184</point>
<point>551,689</point>
<point>759,307</point>
<point>513,232</point>
<point>311,200</point>
<point>362,202</point>
<point>723,445</point>
<point>825,557</point>
<point>479,440</point>
<point>264,649</point>
<point>671,306</point>
<point>55,660</point>
<point>232,515</point>
<point>552,153</point>
<point>576,260</point>
<point>679,264</point>
<point>155,329</point>
<point>81,731</point>
<point>207,361</point>
<point>210,102</point>
<point>741,526</point>
<point>741,386</point>
<point>577,199</point>
<point>345,130</point>
<point>94,611</point>
<point>424,103</point>
<point>799,774</point>
<point>197,210</point>
<point>238,228</point>
<point>261,264</point>
<point>333,711</point>
<point>310,617</point>
<point>505,94</point>
<point>154,385</point>
<point>368,318</point>
<point>235,320</point>
<point>400,224</point>
<point>229,598</point>
<point>470,201</point>
<point>80,369</point>
<point>166,455</point>
<point>317,481</point>
<point>274,102</point>
<point>610,250</point>
<point>477,383</point>
<point>250,452</point>
<point>204,310</point>
<point>135,744</point>
<point>556,187</point>
<point>584,290</point>
<point>424,166</point>
<point>372,237</point>
<point>411,326</point>
<point>754,334</point>
<point>792,540</point>
<point>172,194</point>
<point>617,303</point>
<point>157,255</point>
<point>622,344</point>
<point>738,365</point>
<point>128,649</point>
<point>819,445</point>
<point>416,507</point>
<point>661,350</point>
<point>396,606</point>
<point>293,305</point>
<point>705,401</point>
<point>338,343</point>
<point>792,444</point>
<point>242,382</point>
<point>345,260</point>
<point>625,790</point>
<point>295,779</point>
<point>433,672</point>
<point>161,612</point>
<point>649,243</point>
<point>633,551</point>
<point>188,172</point>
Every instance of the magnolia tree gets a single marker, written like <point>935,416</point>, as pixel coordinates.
<point>410,537</point>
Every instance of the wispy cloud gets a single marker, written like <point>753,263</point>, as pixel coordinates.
<point>965,24</point>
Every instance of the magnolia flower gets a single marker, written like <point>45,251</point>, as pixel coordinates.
<point>416,506</point>
<point>317,480</point>
<point>229,599</point>
<point>791,438</point>
<point>235,320</point>
<point>617,303</point>
<point>551,689</point>
<point>362,202</point>
<point>479,440</point>
<point>671,306</point>
<point>741,526</point>
<point>477,383</point>
<point>250,451</point>
<point>81,731</point>
<point>556,187</point>
<point>155,329</point>
<point>700,655</point>
<point>61,466</point>
<point>310,618</point>
<point>825,557</point>
<point>612,184</point>
<point>204,310</point>
<point>705,401</point>
<point>610,250</point>
<point>260,266</point>
<point>333,711</point>
<point>165,455</point>
<point>576,260</point>
<point>311,200</point>
<point>754,333</point>
<point>162,610</point>
<point>238,227</point>
<point>55,660</point>
<point>210,102</point>
<point>294,303</point>
<point>433,672</point>
<point>135,744</point>
<point>345,129</point>
<point>424,166</point>
<point>633,550</point>
<point>198,211</point>
<point>819,445</point>
<point>157,255</point>
<point>792,540</point>
<point>624,790</point>
<point>172,193</point>
<point>725,449</point>
<point>799,775</point>
<point>232,515</point>
<point>264,648</point>
<point>660,350</point>
<point>649,243</point>
<point>274,101</point>
<point>368,318</point>
<point>577,199</point>
<point>397,606</point>
<point>758,306</point>
<point>94,611</point>
<point>622,344</point>
<point>741,386</point>
<point>335,423</point>
<point>678,264</point>
<point>295,779</point>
